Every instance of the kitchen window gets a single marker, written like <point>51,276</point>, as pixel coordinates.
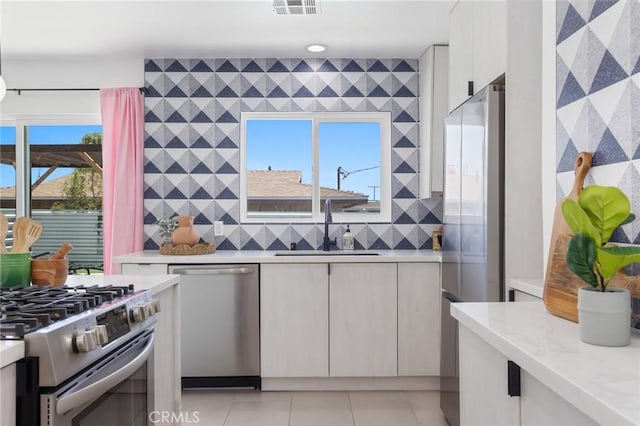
<point>292,162</point>
<point>51,170</point>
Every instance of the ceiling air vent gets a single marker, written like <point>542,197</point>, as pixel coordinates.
<point>295,7</point>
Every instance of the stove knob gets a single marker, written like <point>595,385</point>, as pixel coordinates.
<point>139,313</point>
<point>85,341</point>
<point>155,305</point>
<point>101,334</point>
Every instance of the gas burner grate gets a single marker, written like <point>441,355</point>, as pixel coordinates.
<point>26,309</point>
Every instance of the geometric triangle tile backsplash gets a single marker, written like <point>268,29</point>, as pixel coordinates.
<point>598,96</point>
<point>192,138</point>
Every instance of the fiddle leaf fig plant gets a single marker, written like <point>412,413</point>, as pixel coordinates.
<point>593,219</point>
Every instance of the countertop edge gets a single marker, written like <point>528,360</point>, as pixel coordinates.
<point>571,392</point>
<point>531,286</point>
<point>247,256</point>
<point>154,283</point>
<point>10,352</point>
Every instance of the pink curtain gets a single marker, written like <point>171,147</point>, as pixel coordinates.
<point>122,164</point>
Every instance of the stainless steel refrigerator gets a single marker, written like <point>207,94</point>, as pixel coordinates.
<point>473,223</point>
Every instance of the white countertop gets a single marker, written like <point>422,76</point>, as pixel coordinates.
<point>11,351</point>
<point>250,256</point>
<point>532,286</point>
<point>155,283</point>
<point>602,382</point>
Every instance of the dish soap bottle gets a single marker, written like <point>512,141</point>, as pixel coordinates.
<point>348,240</point>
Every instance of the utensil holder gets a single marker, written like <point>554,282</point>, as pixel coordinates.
<point>15,269</point>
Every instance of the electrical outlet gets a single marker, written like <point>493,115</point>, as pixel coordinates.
<point>218,228</point>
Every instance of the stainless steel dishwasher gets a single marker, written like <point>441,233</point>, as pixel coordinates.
<point>220,325</point>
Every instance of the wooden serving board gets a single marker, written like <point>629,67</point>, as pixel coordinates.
<point>561,284</point>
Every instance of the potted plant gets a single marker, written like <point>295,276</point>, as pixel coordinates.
<point>604,313</point>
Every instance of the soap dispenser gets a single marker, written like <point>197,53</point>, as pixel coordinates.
<point>348,241</point>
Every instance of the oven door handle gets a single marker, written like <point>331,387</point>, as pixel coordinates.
<point>94,390</point>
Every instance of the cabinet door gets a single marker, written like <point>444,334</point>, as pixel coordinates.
<point>434,80</point>
<point>483,384</point>
<point>143,269</point>
<point>542,406</point>
<point>363,311</point>
<point>418,319</point>
<point>8,392</point>
<point>460,52</point>
<point>440,112</point>
<point>426,64</point>
<point>166,354</point>
<point>294,320</point>
<point>489,42</point>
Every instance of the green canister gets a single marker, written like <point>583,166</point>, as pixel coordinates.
<point>15,269</point>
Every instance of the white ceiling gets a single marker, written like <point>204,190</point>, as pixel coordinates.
<point>218,28</point>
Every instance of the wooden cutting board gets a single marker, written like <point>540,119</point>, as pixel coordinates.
<point>560,284</point>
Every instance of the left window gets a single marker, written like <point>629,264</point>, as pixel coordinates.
<point>51,170</point>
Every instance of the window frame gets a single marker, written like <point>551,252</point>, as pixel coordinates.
<point>316,118</point>
<point>23,152</point>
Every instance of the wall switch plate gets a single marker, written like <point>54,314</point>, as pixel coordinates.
<point>218,228</point>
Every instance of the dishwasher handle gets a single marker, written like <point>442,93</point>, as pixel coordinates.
<point>213,271</point>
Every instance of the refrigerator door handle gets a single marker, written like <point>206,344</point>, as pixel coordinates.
<point>451,297</point>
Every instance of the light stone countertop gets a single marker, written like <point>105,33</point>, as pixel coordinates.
<point>532,286</point>
<point>155,283</point>
<point>13,350</point>
<point>602,382</point>
<point>10,352</point>
<point>250,256</point>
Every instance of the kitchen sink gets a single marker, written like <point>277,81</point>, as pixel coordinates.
<point>326,253</point>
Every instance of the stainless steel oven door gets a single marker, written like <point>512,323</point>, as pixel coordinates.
<point>116,391</point>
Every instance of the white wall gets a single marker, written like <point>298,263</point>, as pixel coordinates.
<point>548,123</point>
<point>63,74</point>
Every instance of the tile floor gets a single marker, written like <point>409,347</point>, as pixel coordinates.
<point>250,408</point>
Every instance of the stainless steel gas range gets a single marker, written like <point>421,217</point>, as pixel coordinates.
<point>88,351</point>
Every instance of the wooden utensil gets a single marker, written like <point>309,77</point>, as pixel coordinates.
<point>60,254</point>
<point>19,234</point>
<point>25,233</point>
<point>33,232</point>
<point>4,229</point>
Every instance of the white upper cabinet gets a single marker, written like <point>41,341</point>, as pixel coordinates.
<point>489,42</point>
<point>434,81</point>
<point>460,52</point>
<point>477,47</point>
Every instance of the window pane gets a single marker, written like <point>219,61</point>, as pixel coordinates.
<point>279,161</point>
<point>66,189</point>
<point>8,173</point>
<point>350,166</point>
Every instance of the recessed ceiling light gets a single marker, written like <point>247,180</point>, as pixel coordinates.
<point>316,48</point>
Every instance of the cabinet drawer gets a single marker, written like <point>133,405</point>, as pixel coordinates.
<point>143,269</point>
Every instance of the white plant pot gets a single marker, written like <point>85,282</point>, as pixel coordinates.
<point>604,317</point>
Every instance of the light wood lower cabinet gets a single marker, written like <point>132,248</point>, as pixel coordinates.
<point>144,268</point>
<point>484,391</point>
<point>349,320</point>
<point>8,395</point>
<point>294,320</point>
<point>166,353</point>
<point>363,318</point>
<point>419,319</point>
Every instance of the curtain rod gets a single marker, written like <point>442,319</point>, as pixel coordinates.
<point>19,91</point>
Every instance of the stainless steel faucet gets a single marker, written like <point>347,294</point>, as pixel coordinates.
<point>326,242</point>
